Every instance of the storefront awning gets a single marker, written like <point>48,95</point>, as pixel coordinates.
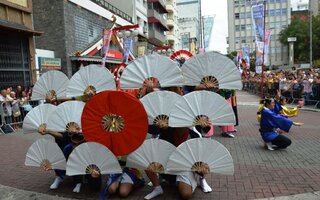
<point>94,59</point>
<point>11,26</point>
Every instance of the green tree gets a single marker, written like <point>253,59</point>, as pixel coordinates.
<point>299,28</point>
<point>232,55</point>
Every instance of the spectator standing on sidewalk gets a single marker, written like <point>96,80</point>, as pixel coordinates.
<point>307,88</point>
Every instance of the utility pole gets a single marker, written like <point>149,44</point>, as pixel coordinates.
<point>310,32</point>
<point>200,24</point>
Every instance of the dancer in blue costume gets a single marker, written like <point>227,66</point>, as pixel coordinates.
<point>273,125</point>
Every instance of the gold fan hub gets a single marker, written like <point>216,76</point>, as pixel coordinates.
<point>209,82</point>
<point>112,123</point>
<point>202,120</point>
<point>161,121</point>
<point>72,127</point>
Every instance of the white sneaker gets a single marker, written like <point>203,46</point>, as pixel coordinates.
<point>204,186</point>
<point>56,183</point>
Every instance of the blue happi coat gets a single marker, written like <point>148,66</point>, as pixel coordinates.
<point>270,121</point>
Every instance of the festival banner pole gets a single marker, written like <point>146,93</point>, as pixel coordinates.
<point>262,66</point>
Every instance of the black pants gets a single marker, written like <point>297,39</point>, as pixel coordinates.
<point>281,142</point>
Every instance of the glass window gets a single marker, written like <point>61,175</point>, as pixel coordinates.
<point>271,12</point>
<point>236,15</point>
<point>243,27</point>
<point>237,28</point>
<point>278,12</point>
<point>284,11</point>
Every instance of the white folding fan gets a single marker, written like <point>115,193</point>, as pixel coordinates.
<point>151,66</point>
<point>67,114</point>
<point>95,76</point>
<point>37,117</point>
<point>159,105</point>
<point>52,82</point>
<point>46,154</point>
<point>195,153</point>
<point>152,154</point>
<point>90,155</point>
<point>212,68</point>
<point>188,111</point>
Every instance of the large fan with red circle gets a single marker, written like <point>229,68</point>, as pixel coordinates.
<point>115,119</point>
<point>181,56</point>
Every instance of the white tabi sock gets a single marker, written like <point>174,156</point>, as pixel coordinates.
<point>156,192</point>
<point>204,185</point>
<point>56,183</point>
<point>77,188</point>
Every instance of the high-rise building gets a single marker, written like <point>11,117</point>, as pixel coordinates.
<point>303,5</point>
<point>157,22</point>
<point>172,19</point>
<point>17,50</point>
<point>208,22</point>
<point>241,32</point>
<point>189,24</point>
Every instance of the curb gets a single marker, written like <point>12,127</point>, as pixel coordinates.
<point>305,196</point>
<point>10,193</point>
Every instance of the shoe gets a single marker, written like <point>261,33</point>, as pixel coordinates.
<point>56,183</point>
<point>229,135</point>
<point>268,145</point>
<point>204,186</point>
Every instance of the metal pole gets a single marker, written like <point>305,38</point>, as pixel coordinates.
<point>262,65</point>
<point>310,32</point>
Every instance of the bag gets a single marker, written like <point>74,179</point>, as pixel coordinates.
<point>16,114</point>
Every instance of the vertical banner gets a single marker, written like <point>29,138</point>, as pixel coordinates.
<point>127,43</point>
<point>239,58</point>
<point>266,46</point>
<point>257,14</point>
<point>185,42</point>
<point>107,33</point>
<point>246,56</point>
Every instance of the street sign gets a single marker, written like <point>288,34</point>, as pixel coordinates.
<point>292,39</point>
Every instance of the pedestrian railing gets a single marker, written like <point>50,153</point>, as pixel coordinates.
<point>294,93</point>
<point>9,121</point>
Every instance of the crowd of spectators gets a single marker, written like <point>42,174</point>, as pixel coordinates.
<point>294,84</point>
<point>15,103</point>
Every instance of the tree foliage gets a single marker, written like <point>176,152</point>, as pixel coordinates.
<point>299,28</point>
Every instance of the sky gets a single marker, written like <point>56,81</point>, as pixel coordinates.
<point>220,26</point>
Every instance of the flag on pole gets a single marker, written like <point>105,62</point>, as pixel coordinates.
<point>107,33</point>
<point>257,13</point>
<point>127,44</point>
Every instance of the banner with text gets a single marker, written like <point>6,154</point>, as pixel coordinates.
<point>127,44</point>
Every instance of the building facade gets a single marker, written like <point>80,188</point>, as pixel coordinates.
<point>189,24</point>
<point>76,25</point>
<point>208,22</point>
<point>17,51</point>
<point>157,23</point>
<point>241,32</point>
<point>172,23</point>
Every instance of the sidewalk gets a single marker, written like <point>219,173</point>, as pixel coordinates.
<point>258,173</point>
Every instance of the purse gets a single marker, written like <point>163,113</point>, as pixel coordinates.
<point>16,114</point>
